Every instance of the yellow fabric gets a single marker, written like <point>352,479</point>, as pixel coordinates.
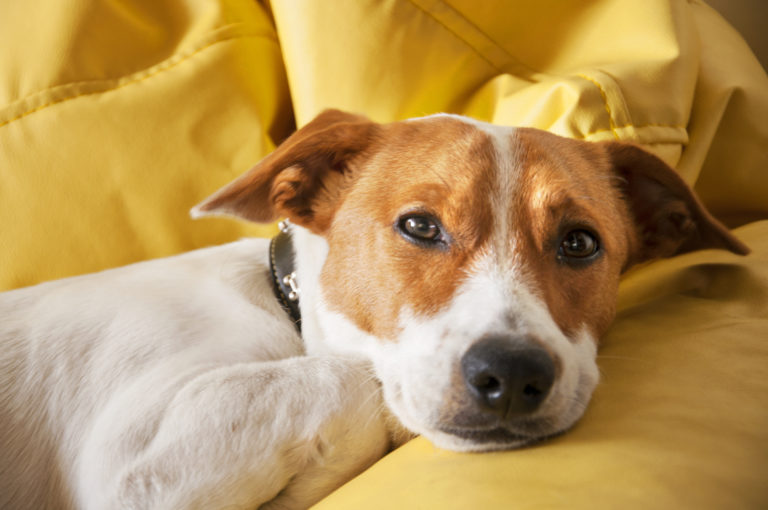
<point>116,116</point>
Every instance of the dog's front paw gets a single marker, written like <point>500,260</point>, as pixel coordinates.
<point>347,428</point>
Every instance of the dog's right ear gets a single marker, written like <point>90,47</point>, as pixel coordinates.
<point>302,179</point>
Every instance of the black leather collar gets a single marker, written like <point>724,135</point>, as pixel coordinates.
<point>281,266</point>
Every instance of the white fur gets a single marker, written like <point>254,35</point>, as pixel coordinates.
<point>175,383</point>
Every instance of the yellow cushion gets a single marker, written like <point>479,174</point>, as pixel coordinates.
<point>116,118</point>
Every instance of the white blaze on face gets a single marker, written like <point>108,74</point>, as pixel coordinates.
<point>420,371</point>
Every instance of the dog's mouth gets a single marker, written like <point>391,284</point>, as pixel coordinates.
<point>498,438</point>
<point>481,436</point>
<point>471,430</point>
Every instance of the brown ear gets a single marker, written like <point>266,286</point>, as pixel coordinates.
<point>301,179</point>
<point>670,218</point>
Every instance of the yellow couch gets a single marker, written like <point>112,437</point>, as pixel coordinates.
<point>117,116</point>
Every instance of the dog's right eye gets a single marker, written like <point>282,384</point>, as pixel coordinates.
<point>421,229</point>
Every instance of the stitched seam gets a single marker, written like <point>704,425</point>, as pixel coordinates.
<point>511,59</point>
<point>597,84</point>
<point>615,129</point>
<point>168,64</point>
<point>217,35</point>
<point>455,35</point>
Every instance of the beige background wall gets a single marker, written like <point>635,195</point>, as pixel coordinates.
<point>750,17</point>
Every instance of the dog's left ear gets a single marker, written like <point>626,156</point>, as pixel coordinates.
<point>669,218</point>
<point>303,179</point>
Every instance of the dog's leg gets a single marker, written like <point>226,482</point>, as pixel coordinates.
<point>240,436</point>
<point>322,474</point>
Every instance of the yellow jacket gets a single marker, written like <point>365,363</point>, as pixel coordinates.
<point>116,116</point>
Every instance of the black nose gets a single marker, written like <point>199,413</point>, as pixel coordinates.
<point>508,376</point>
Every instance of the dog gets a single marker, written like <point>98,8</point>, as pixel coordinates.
<point>438,276</point>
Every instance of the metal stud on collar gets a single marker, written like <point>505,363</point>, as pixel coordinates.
<point>281,266</point>
<point>290,280</point>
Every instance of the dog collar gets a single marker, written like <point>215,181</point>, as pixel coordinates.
<point>281,266</point>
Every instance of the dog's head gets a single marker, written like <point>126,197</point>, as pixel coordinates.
<point>475,265</point>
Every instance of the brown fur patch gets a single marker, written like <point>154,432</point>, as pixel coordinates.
<point>568,185</point>
<point>442,166</point>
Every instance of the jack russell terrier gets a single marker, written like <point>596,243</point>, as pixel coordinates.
<point>451,276</point>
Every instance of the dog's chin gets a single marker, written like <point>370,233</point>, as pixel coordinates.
<point>461,435</point>
<point>484,439</point>
<point>472,440</point>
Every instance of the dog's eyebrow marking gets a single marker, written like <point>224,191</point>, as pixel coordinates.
<point>434,172</point>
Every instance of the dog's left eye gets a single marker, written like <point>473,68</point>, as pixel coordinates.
<point>420,229</point>
<point>578,245</point>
